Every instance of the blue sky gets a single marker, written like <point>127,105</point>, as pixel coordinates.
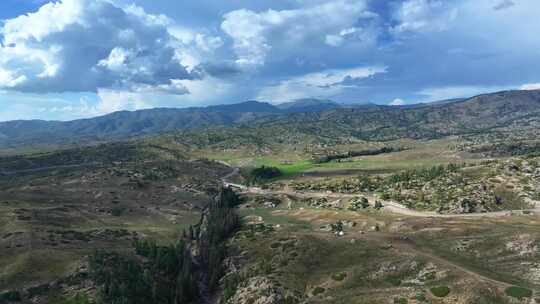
<point>73,59</point>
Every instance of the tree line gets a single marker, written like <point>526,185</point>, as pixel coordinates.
<point>169,274</point>
<point>349,154</point>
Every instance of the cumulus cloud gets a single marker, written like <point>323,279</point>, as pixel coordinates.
<point>256,34</point>
<point>320,84</point>
<point>530,86</point>
<point>208,52</point>
<point>397,102</point>
<point>343,35</point>
<point>443,93</point>
<point>423,16</point>
<point>84,45</point>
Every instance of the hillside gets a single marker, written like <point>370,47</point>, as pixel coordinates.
<point>480,113</point>
<point>126,124</point>
<point>308,105</point>
<point>516,112</point>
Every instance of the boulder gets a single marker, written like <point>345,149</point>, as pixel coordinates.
<point>261,290</point>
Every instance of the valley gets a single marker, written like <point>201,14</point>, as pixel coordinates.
<point>334,205</point>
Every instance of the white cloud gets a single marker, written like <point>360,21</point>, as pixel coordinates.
<point>255,35</point>
<point>334,40</point>
<point>87,45</point>
<point>397,102</point>
<point>111,100</point>
<point>321,84</point>
<point>530,86</point>
<point>443,93</point>
<point>9,80</point>
<point>117,59</point>
<point>424,16</point>
<point>337,40</point>
<point>114,100</point>
<point>194,48</point>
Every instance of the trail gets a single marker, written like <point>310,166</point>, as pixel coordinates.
<point>388,206</point>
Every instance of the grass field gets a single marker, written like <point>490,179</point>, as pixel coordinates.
<point>424,154</point>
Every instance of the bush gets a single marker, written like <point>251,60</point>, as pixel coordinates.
<point>440,291</point>
<point>518,292</point>
<point>117,211</point>
<point>261,174</point>
<point>400,301</point>
<point>318,290</point>
<point>339,276</point>
<point>394,280</point>
<point>78,299</point>
<point>264,267</point>
<point>10,296</point>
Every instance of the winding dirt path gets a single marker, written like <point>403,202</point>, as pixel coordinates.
<point>389,206</point>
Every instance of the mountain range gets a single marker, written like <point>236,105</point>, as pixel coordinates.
<point>368,120</point>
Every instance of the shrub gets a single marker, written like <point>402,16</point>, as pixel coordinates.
<point>261,174</point>
<point>10,296</point>
<point>440,291</point>
<point>394,280</point>
<point>78,299</point>
<point>518,292</point>
<point>400,301</point>
<point>420,297</point>
<point>318,290</point>
<point>275,245</point>
<point>117,211</point>
<point>339,276</point>
<point>264,267</point>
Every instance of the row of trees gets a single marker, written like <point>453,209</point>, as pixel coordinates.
<point>349,154</point>
<point>166,276</point>
<point>262,174</point>
<point>220,222</point>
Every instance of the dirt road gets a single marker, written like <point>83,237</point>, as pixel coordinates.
<point>389,206</point>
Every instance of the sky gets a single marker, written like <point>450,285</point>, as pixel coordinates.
<point>71,59</point>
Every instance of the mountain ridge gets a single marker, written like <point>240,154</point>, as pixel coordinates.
<point>462,115</point>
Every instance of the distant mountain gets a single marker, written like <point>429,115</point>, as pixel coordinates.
<point>428,104</point>
<point>508,109</point>
<point>126,124</point>
<point>243,107</point>
<point>445,101</point>
<point>315,118</point>
<point>308,105</point>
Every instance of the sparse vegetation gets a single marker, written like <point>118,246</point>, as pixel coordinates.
<point>339,276</point>
<point>440,291</point>
<point>318,290</point>
<point>518,292</point>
